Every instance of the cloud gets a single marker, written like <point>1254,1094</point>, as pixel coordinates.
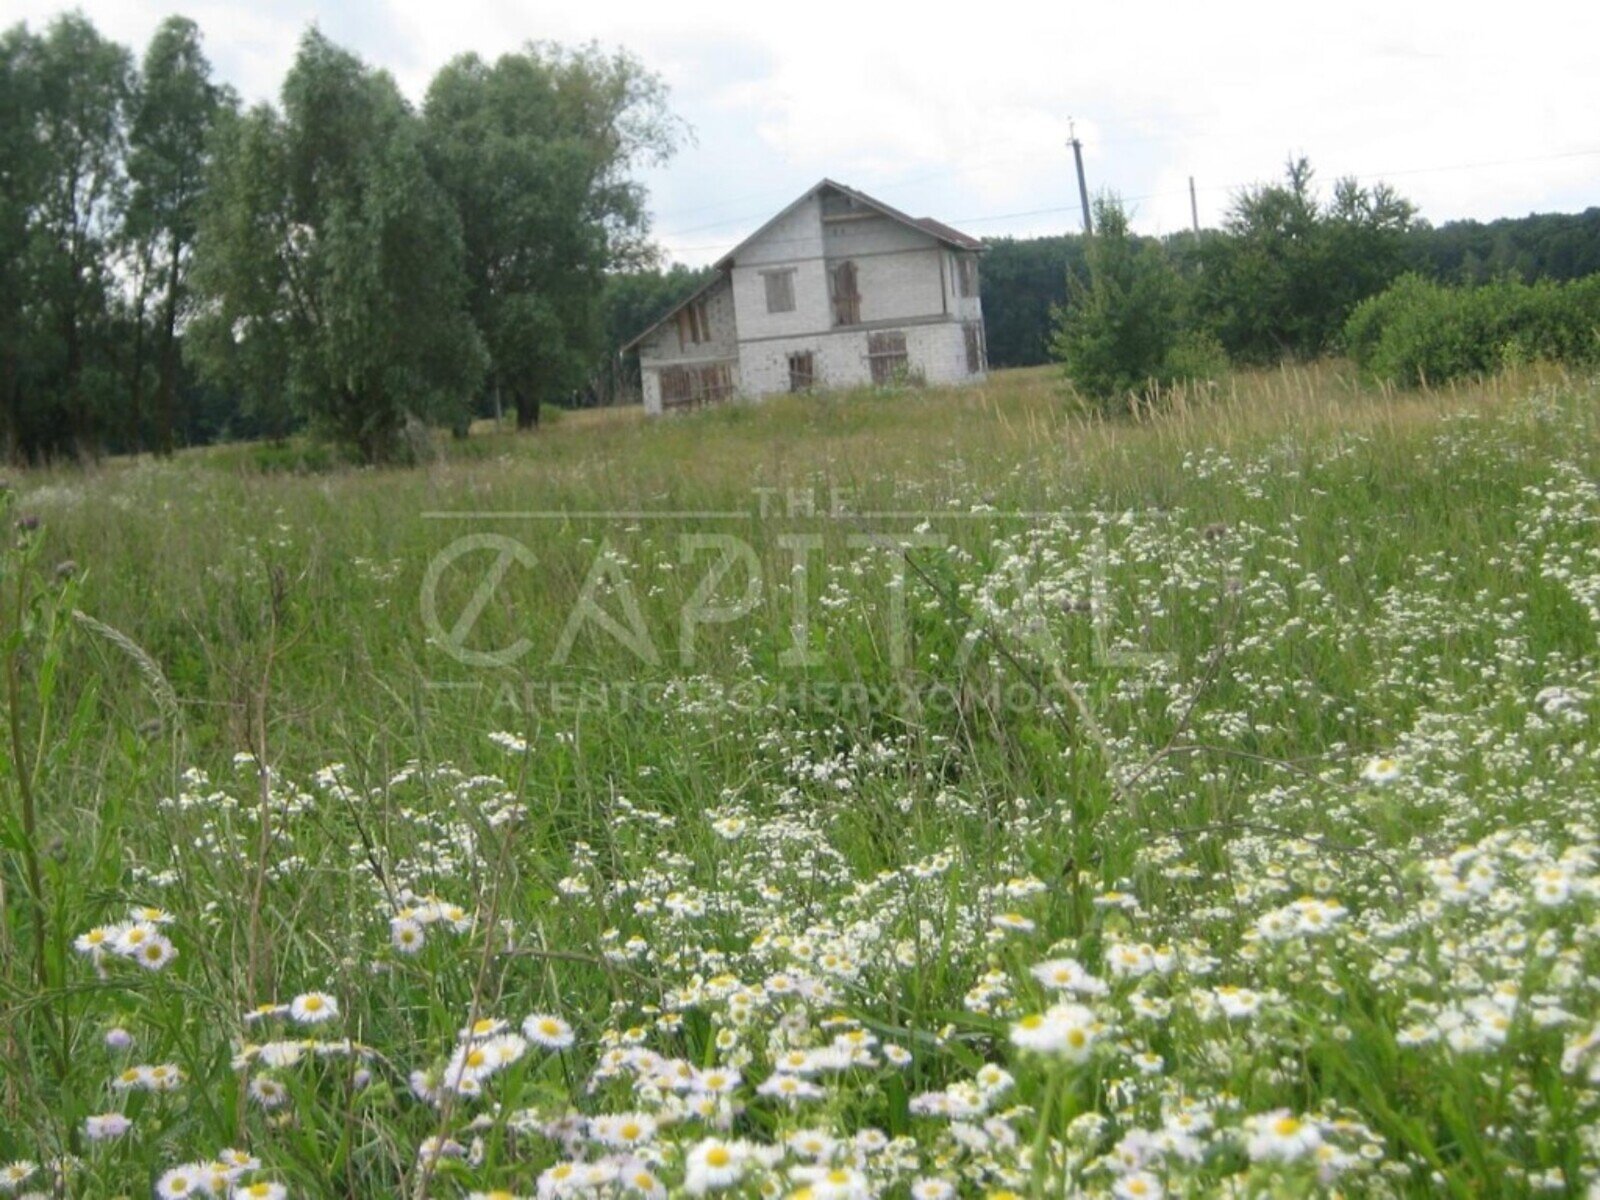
<point>964,116</point>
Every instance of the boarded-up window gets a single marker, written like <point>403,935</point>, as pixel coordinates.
<point>846,297</point>
<point>966,275</point>
<point>780,290</point>
<point>886,352</point>
<point>975,347</point>
<point>802,372</point>
<point>694,324</point>
<point>689,387</point>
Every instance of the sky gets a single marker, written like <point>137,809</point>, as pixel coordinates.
<point>1471,110</point>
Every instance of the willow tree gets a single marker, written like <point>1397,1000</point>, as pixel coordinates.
<point>327,256</point>
<point>536,152</point>
<point>175,108</point>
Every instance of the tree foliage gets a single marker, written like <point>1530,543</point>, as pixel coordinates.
<point>1126,331</point>
<point>174,113</point>
<point>326,245</point>
<point>535,151</point>
<point>1288,269</point>
<point>174,269</point>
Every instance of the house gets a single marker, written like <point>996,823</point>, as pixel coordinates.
<point>837,290</point>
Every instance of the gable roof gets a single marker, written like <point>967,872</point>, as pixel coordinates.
<point>937,230</point>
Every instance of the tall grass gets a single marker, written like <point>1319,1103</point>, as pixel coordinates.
<point>1126,681</point>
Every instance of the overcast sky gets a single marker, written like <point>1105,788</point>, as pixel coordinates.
<point>1470,109</point>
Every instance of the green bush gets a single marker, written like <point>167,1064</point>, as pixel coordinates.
<point>1419,332</point>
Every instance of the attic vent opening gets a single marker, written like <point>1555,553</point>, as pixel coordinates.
<point>843,291</point>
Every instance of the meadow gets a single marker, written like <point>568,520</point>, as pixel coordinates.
<point>922,795</point>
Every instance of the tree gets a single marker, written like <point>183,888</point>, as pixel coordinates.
<point>175,111</point>
<point>323,239</point>
<point>1288,271</point>
<point>1124,331</point>
<point>535,152</point>
<point>82,85</point>
<point>1023,282</point>
<point>21,179</point>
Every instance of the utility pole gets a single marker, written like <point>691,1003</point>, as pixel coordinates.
<point>1083,188</point>
<point>1194,210</point>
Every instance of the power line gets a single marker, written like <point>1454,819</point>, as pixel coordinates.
<point>989,218</point>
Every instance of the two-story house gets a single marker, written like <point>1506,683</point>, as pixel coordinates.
<point>837,290</point>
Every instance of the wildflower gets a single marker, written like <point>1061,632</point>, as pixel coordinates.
<point>1381,771</point>
<point>313,1008</point>
<point>96,940</point>
<point>716,1082</point>
<point>1237,1002</point>
<point>1068,975</point>
<point>932,1188</point>
<point>14,1175</point>
<point>180,1182</point>
<point>810,1143</point>
<point>790,1087</point>
<point>406,935</point>
<point>641,1181</point>
<point>128,937</point>
<point>155,954</point>
<point>1138,1185</point>
<point>118,1038</point>
<point>623,1130</point>
<point>550,1032</point>
<point>1066,1031</point>
<point>1552,886</point>
<point>837,1183</point>
<point>711,1166</point>
<point>1014,922</point>
<point>268,1093</point>
<point>106,1126</point>
<point>261,1191</point>
<point>1281,1136</point>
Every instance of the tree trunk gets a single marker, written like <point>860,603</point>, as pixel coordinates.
<point>166,389</point>
<point>135,431</point>
<point>527,409</point>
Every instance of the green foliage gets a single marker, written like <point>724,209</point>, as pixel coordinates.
<point>534,152</point>
<point>175,110</point>
<point>66,111</point>
<point>1023,282</point>
<point>326,246</point>
<point>1421,332</point>
<point>1286,271</point>
<point>1124,332</point>
<point>1539,246</point>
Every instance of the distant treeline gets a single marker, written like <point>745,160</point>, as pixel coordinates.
<point>177,268</point>
<point>1025,278</point>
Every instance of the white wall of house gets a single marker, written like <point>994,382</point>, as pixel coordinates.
<point>906,277</point>
<point>936,351</point>
<point>667,347</point>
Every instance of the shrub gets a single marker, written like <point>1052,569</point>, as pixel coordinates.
<point>1419,332</point>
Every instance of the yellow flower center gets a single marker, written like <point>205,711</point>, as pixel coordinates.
<point>718,1156</point>
<point>1286,1126</point>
